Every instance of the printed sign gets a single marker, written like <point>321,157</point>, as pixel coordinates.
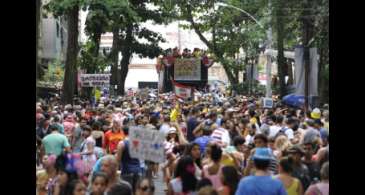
<point>268,102</point>
<point>187,69</point>
<point>94,80</point>
<point>146,144</point>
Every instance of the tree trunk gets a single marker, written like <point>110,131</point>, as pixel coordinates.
<point>322,79</point>
<point>307,35</point>
<point>114,58</point>
<point>126,56</point>
<point>96,40</point>
<point>231,77</point>
<point>280,42</point>
<point>69,82</point>
<point>323,62</point>
<point>320,73</point>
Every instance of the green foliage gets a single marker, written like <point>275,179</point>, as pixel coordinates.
<point>62,7</point>
<point>138,44</point>
<point>55,72</point>
<point>97,19</point>
<point>89,62</point>
<point>244,88</point>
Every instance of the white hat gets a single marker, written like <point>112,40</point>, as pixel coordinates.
<point>68,106</point>
<point>172,130</point>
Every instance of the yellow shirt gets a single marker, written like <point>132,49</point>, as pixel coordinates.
<point>292,189</point>
<point>227,160</point>
<point>253,120</point>
<point>97,94</point>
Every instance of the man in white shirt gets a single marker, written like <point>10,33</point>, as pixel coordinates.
<point>288,129</point>
<point>274,129</point>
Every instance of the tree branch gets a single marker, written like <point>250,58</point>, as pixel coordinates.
<point>196,28</point>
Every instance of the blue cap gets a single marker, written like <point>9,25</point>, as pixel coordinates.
<point>262,154</point>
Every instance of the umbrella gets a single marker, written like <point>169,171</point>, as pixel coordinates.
<point>294,100</point>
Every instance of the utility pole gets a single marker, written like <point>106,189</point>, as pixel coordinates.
<point>268,63</point>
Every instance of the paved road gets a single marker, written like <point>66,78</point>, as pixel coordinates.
<point>159,183</point>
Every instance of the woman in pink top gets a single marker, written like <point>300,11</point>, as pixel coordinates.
<point>212,171</point>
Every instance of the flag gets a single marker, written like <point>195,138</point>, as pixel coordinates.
<point>182,91</point>
<point>174,114</point>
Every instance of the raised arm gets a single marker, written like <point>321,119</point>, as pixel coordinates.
<point>182,139</point>
<point>198,129</point>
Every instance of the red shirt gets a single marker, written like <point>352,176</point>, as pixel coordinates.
<point>112,139</point>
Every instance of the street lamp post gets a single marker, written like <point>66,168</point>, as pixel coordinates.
<point>268,44</point>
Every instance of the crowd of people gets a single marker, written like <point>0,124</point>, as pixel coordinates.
<point>230,146</point>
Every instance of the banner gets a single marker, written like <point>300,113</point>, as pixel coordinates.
<point>146,144</point>
<point>94,80</point>
<point>182,91</point>
<point>187,69</point>
<point>300,72</point>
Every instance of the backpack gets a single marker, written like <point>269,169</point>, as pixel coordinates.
<point>282,132</point>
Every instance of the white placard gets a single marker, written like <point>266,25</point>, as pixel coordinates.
<point>94,80</point>
<point>146,144</point>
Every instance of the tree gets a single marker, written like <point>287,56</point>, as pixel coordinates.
<point>321,40</point>
<point>280,43</point>
<point>118,11</point>
<point>97,22</point>
<point>124,18</point>
<point>132,35</point>
<point>70,10</point>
